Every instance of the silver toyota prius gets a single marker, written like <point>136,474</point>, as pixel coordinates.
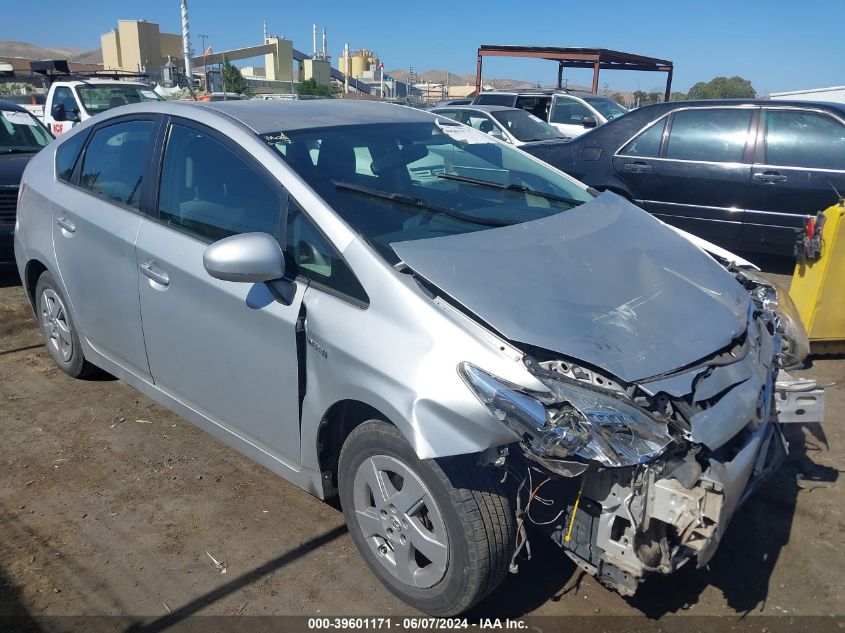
<point>467,346</point>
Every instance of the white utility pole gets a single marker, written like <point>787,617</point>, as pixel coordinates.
<point>186,44</point>
<point>346,68</point>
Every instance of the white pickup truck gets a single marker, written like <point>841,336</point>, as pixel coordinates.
<point>71,102</point>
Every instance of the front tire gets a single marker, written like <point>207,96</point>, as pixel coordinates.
<point>437,533</point>
<point>58,328</point>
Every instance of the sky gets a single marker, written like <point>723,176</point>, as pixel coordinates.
<point>778,45</point>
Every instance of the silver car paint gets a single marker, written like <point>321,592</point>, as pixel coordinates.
<point>418,389</point>
<point>602,283</point>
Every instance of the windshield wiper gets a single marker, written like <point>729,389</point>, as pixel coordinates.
<point>17,150</point>
<point>511,187</point>
<point>419,203</point>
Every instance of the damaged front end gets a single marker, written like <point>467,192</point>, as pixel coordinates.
<point>645,476</point>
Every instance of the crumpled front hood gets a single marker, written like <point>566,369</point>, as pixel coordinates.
<point>605,283</point>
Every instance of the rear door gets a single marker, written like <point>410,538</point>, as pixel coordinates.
<point>799,167</point>
<point>699,181</point>
<point>95,224</point>
<point>227,350</point>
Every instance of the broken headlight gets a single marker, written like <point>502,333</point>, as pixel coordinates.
<point>570,420</point>
<point>771,296</point>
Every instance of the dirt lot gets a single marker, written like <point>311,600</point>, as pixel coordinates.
<point>109,504</point>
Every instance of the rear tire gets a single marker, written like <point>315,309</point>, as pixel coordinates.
<point>58,329</point>
<point>438,533</point>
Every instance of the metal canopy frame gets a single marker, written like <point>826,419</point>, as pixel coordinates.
<point>596,58</point>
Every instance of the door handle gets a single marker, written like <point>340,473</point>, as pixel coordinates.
<point>769,176</point>
<point>637,167</point>
<point>66,224</point>
<point>160,278</point>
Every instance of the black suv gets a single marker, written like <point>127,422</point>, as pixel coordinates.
<point>741,173</point>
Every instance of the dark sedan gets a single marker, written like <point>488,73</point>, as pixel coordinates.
<point>743,173</point>
<point>21,136</point>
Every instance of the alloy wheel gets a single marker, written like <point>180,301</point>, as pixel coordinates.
<point>55,324</point>
<point>400,521</point>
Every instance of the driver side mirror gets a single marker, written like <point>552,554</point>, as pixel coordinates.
<point>246,258</point>
<point>497,133</point>
<point>589,121</point>
<point>58,112</point>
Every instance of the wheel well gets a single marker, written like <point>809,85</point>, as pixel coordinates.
<point>34,269</point>
<point>338,422</point>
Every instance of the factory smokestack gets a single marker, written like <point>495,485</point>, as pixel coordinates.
<point>265,31</point>
<point>325,50</point>
<point>314,38</point>
<point>186,44</point>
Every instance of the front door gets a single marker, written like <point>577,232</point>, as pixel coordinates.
<point>95,222</point>
<point>225,349</point>
<point>567,115</point>
<point>699,181</point>
<point>799,171</point>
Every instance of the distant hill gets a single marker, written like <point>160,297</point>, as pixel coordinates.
<point>31,51</point>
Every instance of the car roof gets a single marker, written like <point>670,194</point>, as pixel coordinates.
<point>265,116</point>
<point>624,127</point>
<point>482,107</point>
<point>8,105</point>
<point>95,81</point>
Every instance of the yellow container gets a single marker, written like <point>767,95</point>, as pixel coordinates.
<point>818,288</point>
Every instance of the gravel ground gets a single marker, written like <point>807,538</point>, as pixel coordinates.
<point>110,504</point>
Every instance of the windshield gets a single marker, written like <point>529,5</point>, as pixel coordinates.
<point>101,97</point>
<point>525,126</point>
<point>21,132</point>
<point>408,181</point>
<point>608,108</point>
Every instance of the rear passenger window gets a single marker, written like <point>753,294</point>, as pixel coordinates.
<point>709,135</point>
<point>209,191</point>
<point>115,161</point>
<point>313,257</point>
<point>648,143</point>
<point>66,154</point>
<point>804,139</point>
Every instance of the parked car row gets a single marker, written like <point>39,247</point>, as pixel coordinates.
<point>570,112</point>
<point>385,305</point>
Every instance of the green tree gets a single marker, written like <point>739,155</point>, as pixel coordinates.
<point>233,80</point>
<point>678,96</point>
<point>723,88</point>
<point>619,98</point>
<point>311,87</point>
<point>646,98</point>
<point>16,88</point>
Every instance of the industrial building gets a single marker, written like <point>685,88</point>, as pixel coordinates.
<point>139,46</point>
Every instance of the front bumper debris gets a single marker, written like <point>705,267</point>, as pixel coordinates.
<point>634,521</point>
<point>798,400</point>
<point>621,524</point>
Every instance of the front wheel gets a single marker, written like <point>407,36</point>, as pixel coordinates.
<point>437,533</point>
